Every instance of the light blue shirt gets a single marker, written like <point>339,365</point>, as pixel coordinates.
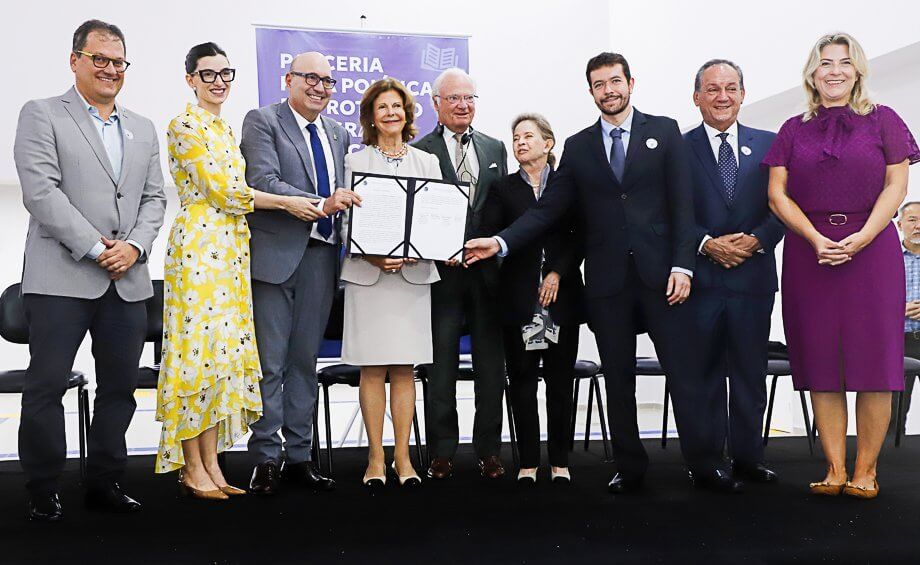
<point>626,127</point>
<point>110,133</point>
<point>912,270</point>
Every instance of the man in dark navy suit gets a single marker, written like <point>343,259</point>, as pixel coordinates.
<point>735,287</point>
<point>628,178</point>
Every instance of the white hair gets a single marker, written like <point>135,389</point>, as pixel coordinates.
<point>451,72</point>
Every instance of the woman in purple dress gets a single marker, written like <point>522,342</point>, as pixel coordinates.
<point>837,176</point>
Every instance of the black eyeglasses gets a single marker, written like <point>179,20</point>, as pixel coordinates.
<point>209,76</point>
<point>313,79</point>
<point>101,62</point>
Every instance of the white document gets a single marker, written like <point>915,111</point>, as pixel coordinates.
<point>378,226</point>
<point>439,221</point>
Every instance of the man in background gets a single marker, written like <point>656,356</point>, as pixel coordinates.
<point>909,224</point>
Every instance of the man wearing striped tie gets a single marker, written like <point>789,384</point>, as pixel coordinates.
<point>735,287</point>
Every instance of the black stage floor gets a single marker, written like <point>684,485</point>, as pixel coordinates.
<point>468,520</point>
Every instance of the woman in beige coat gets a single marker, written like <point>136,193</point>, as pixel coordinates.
<point>388,301</point>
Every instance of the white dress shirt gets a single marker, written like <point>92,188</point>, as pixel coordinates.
<point>472,162</point>
<point>302,123</point>
<point>712,134</point>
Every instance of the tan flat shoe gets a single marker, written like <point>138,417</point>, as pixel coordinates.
<point>189,491</point>
<point>825,488</point>
<point>859,491</point>
<point>232,490</point>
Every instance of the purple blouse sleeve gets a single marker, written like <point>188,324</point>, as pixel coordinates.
<point>780,152</point>
<point>898,143</point>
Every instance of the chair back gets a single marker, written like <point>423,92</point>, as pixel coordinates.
<point>13,325</point>
<point>335,324</point>
<point>155,313</point>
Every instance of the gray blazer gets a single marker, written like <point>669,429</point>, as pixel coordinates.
<point>417,163</point>
<point>278,161</point>
<point>73,198</point>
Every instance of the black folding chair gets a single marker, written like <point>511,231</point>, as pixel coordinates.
<point>15,329</point>
<point>591,371</point>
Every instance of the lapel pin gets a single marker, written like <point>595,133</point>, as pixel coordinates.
<point>651,143</point>
<point>128,134</point>
<point>745,149</point>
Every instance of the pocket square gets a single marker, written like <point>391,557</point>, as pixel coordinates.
<point>493,166</point>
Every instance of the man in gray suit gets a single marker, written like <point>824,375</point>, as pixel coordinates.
<point>290,149</point>
<point>92,183</point>
<point>465,295</point>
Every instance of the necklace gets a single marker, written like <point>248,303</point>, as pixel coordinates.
<point>393,154</point>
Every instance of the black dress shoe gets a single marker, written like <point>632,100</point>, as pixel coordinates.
<point>758,473</point>
<point>264,479</point>
<point>110,498</point>
<point>305,474</point>
<point>623,485</point>
<point>717,481</point>
<point>45,508</point>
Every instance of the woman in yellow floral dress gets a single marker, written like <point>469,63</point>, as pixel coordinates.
<point>208,391</point>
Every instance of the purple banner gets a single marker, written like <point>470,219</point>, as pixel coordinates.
<point>358,59</point>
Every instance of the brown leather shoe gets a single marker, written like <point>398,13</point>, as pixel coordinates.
<point>440,468</point>
<point>491,467</point>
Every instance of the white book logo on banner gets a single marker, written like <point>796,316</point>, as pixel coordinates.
<point>436,59</point>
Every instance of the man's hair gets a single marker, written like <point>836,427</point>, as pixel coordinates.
<point>607,59</point>
<point>698,81</point>
<point>80,36</point>
<point>200,51</point>
<point>907,205</point>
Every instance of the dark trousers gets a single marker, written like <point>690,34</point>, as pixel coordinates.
<point>523,369</point>
<point>57,326</point>
<point>734,338</point>
<point>461,296</point>
<point>911,349</point>
<point>614,321</point>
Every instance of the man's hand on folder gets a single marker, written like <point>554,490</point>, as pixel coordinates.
<point>341,199</point>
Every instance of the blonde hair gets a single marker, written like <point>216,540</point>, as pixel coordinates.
<point>546,131</point>
<point>859,97</point>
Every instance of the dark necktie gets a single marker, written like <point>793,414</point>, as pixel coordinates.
<point>323,225</point>
<point>728,167</point>
<point>617,154</point>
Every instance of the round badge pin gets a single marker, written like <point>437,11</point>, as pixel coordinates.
<point>745,149</point>
<point>651,143</point>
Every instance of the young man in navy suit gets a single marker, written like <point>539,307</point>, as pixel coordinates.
<point>734,285</point>
<point>628,177</point>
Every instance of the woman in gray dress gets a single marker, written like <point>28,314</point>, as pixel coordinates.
<point>388,301</point>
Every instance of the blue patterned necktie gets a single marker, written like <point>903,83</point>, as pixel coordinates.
<point>728,167</point>
<point>617,154</point>
<point>323,225</point>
